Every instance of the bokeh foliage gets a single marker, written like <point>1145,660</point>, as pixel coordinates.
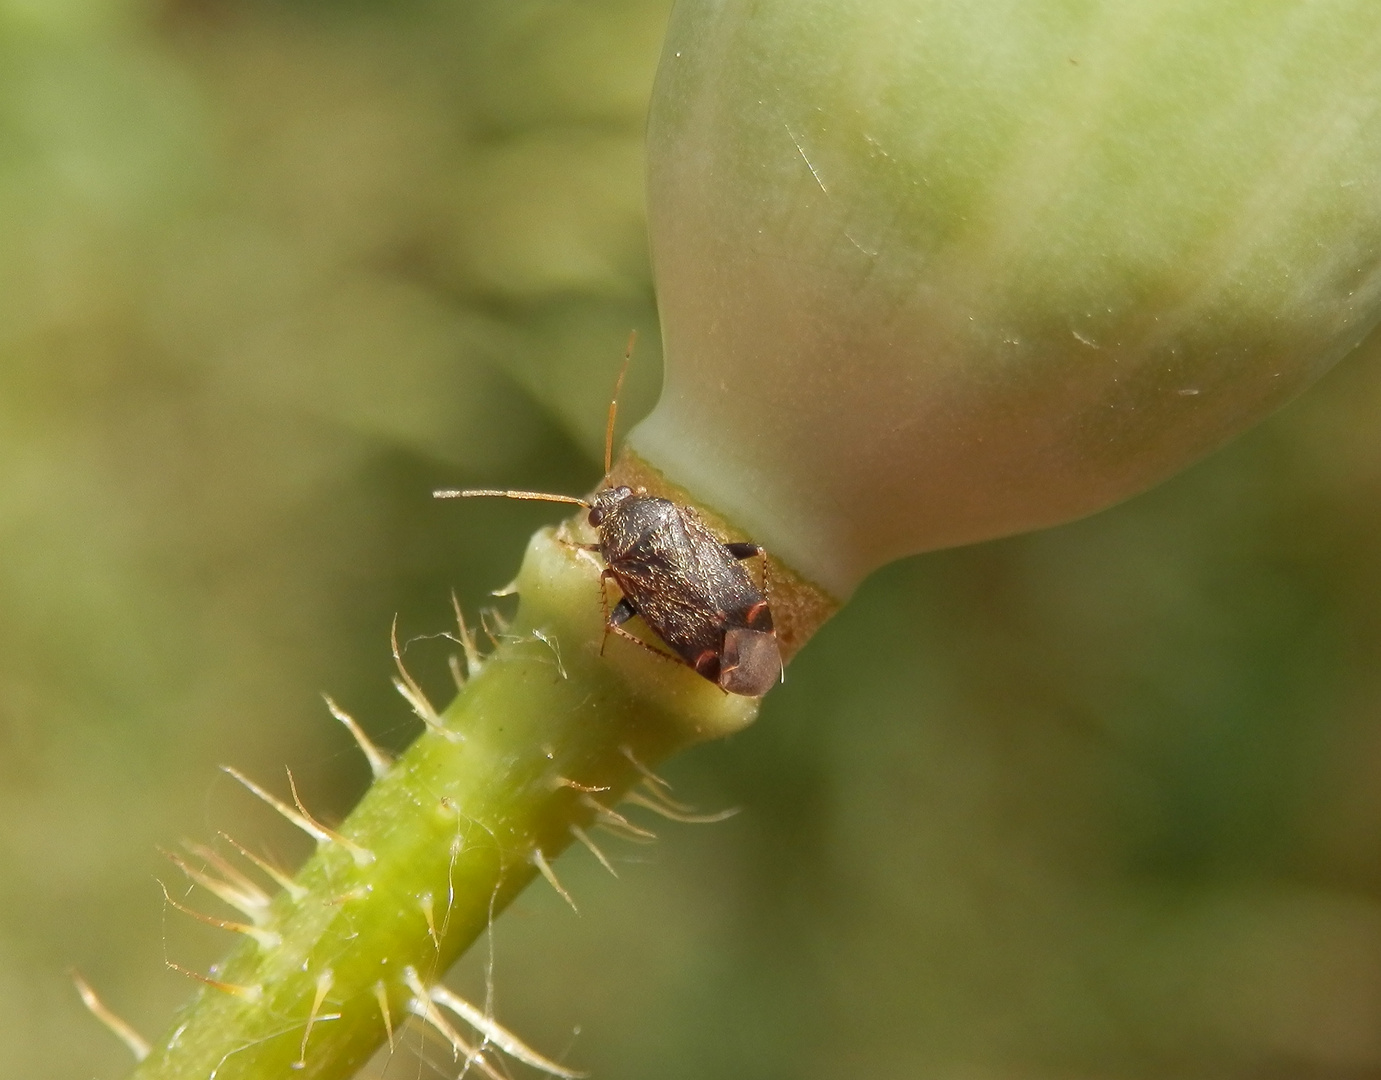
<point>1099,802</point>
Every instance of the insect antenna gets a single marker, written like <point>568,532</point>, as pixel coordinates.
<point>535,496</point>
<point>614,405</point>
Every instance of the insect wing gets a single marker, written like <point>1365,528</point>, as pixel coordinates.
<point>692,592</point>
<point>751,662</point>
<point>671,571</point>
<point>727,586</point>
<point>675,612</point>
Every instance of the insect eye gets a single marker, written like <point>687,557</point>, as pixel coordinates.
<point>596,516</point>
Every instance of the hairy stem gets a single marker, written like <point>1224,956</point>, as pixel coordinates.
<point>539,746</point>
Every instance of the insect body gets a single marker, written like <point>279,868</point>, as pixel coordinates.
<point>689,587</point>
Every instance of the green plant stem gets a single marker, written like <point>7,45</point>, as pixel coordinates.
<point>547,733</point>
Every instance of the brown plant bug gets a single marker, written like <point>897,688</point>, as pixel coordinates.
<point>690,588</point>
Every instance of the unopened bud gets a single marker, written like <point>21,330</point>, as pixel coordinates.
<point>931,273</point>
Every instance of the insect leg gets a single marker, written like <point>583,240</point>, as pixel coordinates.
<point>744,550</point>
<point>639,641</point>
<point>609,623</point>
<point>621,613</point>
<point>578,547</point>
<point>585,551</point>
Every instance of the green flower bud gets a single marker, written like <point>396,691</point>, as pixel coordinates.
<point>931,273</point>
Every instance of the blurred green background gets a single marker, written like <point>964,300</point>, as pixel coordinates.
<point>1101,802</point>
